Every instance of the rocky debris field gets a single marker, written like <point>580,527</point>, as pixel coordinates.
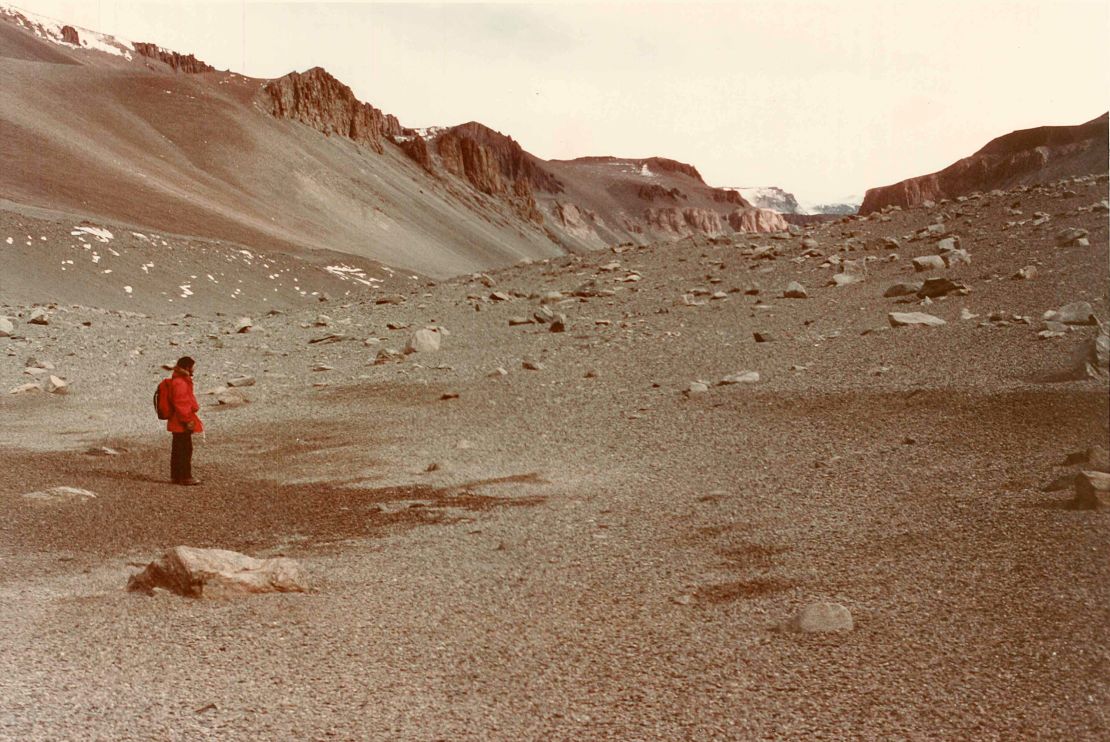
<point>839,483</point>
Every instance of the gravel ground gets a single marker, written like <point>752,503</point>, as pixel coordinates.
<point>592,557</point>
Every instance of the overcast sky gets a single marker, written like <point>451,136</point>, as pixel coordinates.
<point>824,99</point>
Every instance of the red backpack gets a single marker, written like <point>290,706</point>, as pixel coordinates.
<point>163,399</point>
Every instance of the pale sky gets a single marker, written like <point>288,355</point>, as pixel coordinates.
<point>825,99</point>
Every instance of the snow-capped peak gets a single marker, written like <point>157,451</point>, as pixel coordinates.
<point>50,30</point>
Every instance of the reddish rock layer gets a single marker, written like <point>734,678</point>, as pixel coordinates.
<point>317,99</point>
<point>653,191</point>
<point>69,35</point>
<point>1021,157</point>
<point>178,62</point>
<point>490,160</point>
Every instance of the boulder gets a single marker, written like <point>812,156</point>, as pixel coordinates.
<point>1072,237</point>
<point>57,385</point>
<point>795,290</point>
<point>190,572</point>
<point>1092,359</point>
<point>903,289</point>
<point>7,329</point>
<point>1076,313</point>
<point>1092,490</point>
<point>936,287</point>
<point>39,316</point>
<point>914,319</point>
<point>928,263</point>
<point>423,341</point>
<point>60,494</point>
<point>819,618</point>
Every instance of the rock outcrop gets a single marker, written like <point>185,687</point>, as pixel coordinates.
<point>315,98</point>
<point>756,220</point>
<point>491,161</point>
<point>70,36</point>
<point>186,63</point>
<point>1022,157</point>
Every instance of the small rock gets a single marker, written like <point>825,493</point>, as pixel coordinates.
<point>530,365</point>
<point>39,316</point>
<point>558,324</point>
<point>697,387</point>
<point>743,377</point>
<point>937,287</point>
<point>497,373</point>
<point>390,299</point>
<point>1025,273</point>
<point>795,290</point>
<point>515,321</point>
<point>843,279</point>
<point>764,337</point>
<point>817,618</point>
<point>957,257</point>
<point>912,319</point>
<point>101,451</point>
<point>241,380</point>
<point>423,341</point>
<point>965,314</point>
<point>57,385</point>
<point>244,324</point>
<point>903,289</point>
<point>22,388</point>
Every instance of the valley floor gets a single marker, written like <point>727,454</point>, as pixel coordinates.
<point>595,554</point>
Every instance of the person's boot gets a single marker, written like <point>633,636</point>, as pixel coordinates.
<point>190,482</point>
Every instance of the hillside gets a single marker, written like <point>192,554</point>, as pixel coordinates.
<point>144,138</point>
<point>1023,157</point>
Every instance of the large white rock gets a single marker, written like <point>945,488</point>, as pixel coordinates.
<point>7,329</point>
<point>928,263</point>
<point>39,316</point>
<point>423,341</point>
<point>60,494</point>
<point>189,571</point>
<point>913,319</point>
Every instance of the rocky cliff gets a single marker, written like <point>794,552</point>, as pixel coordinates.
<point>490,160</point>
<point>177,62</point>
<point>315,98</point>
<point>1019,158</point>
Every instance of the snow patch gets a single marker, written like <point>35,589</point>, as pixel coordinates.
<point>350,273</point>
<point>51,30</point>
<point>98,232</point>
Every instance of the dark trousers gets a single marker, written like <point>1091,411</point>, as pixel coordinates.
<point>181,457</point>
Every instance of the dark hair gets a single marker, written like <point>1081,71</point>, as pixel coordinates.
<point>185,362</point>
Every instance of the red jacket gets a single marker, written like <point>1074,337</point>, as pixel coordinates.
<point>183,403</point>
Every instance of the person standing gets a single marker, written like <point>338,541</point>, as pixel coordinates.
<point>183,422</point>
